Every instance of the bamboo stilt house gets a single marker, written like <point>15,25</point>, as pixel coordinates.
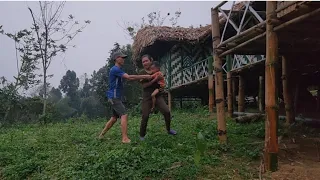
<point>186,58</point>
<point>287,33</point>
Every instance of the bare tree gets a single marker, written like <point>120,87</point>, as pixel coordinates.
<point>52,36</point>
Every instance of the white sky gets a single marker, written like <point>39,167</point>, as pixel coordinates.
<point>94,43</point>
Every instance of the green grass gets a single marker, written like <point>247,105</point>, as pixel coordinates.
<point>72,151</point>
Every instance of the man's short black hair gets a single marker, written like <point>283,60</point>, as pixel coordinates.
<point>156,64</point>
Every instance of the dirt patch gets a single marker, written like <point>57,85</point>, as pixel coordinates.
<point>298,159</point>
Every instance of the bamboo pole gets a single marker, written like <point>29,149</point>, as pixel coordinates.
<point>277,28</point>
<point>242,44</point>
<point>241,94</point>
<point>218,77</point>
<point>286,93</point>
<point>230,95</point>
<point>271,93</point>
<point>229,87</point>
<point>210,84</point>
<point>244,33</point>
<point>261,94</point>
<point>169,101</point>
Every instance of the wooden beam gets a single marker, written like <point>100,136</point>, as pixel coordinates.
<point>271,93</point>
<point>287,93</point>
<point>222,133</point>
<point>241,94</point>
<point>261,94</point>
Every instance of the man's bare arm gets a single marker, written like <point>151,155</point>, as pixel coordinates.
<point>135,77</point>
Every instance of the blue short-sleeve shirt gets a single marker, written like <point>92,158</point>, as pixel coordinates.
<point>115,83</point>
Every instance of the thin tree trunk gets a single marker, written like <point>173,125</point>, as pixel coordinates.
<point>44,61</point>
<point>261,94</point>
<point>286,93</point>
<point>241,94</point>
<point>234,92</point>
<point>45,92</point>
<point>271,94</point>
<point>218,78</point>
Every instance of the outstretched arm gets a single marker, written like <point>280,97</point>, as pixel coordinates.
<point>135,77</point>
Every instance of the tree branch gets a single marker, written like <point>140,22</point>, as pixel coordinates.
<point>38,36</point>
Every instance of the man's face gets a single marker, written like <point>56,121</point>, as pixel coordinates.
<point>120,60</point>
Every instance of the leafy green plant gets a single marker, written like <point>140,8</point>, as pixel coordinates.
<point>201,147</point>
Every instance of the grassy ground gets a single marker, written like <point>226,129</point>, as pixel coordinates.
<point>72,151</point>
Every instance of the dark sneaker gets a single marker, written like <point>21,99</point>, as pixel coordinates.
<point>172,132</point>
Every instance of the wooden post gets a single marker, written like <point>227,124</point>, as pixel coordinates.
<point>288,102</point>
<point>271,92</point>
<point>261,94</point>
<point>218,77</point>
<point>169,100</point>
<point>296,93</point>
<point>210,84</point>
<point>229,88</point>
<point>241,94</point>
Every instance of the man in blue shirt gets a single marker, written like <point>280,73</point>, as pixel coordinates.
<point>114,94</point>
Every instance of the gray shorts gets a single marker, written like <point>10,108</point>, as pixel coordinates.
<point>118,108</point>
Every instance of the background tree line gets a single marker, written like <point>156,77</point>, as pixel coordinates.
<point>36,47</point>
<point>69,99</point>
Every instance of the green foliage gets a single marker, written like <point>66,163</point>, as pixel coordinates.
<point>69,83</point>
<point>201,146</point>
<point>54,95</point>
<point>71,150</point>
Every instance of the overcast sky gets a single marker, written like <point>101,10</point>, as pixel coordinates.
<point>94,43</point>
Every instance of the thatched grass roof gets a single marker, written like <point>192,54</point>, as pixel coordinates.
<point>147,36</point>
